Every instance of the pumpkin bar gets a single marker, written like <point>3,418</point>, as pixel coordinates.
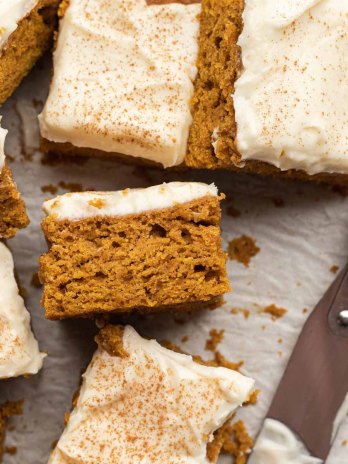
<point>123,80</point>
<point>19,351</point>
<point>146,250</point>
<point>271,90</point>
<point>141,402</point>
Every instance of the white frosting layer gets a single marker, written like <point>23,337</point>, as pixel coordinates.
<point>3,133</point>
<point>123,74</point>
<point>19,351</point>
<point>153,407</point>
<point>130,201</point>
<point>11,12</point>
<point>291,99</point>
<point>277,444</point>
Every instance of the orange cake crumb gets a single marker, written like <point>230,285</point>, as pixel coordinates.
<point>242,249</point>
<point>275,311</point>
<point>216,337</point>
<point>7,410</point>
<point>232,439</point>
<point>334,269</point>
<point>245,312</point>
<point>50,188</point>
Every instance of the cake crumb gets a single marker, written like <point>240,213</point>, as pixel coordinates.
<point>50,188</point>
<point>305,310</point>
<point>185,338</point>
<point>216,337</point>
<point>232,439</point>
<point>110,339</point>
<point>70,186</point>
<point>219,359</point>
<point>7,410</point>
<point>35,280</point>
<point>344,442</point>
<point>242,249</point>
<point>11,450</point>
<point>275,311</point>
<point>253,398</point>
<point>334,269</point>
<point>245,312</point>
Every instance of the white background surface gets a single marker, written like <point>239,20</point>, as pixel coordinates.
<point>299,243</point>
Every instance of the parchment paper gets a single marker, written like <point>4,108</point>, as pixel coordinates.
<point>299,243</point>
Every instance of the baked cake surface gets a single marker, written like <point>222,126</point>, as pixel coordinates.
<point>287,116</point>
<point>13,215</point>
<point>19,351</point>
<point>142,403</point>
<point>135,250</point>
<point>123,79</point>
<point>26,29</point>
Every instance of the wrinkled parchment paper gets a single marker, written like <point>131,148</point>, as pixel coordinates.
<point>301,229</point>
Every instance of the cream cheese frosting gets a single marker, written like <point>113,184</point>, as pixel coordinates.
<point>277,444</point>
<point>11,12</point>
<point>291,98</point>
<point>3,133</point>
<point>123,78</point>
<point>19,351</point>
<point>130,201</point>
<point>153,406</point>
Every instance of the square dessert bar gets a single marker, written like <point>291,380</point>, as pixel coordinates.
<point>146,250</point>
<point>26,30</point>
<point>13,215</point>
<point>19,351</point>
<point>140,402</point>
<point>123,80</point>
<point>272,89</point>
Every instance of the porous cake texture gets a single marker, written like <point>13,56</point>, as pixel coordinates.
<point>145,250</point>
<point>26,30</point>
<point>13,215</point>
<point>212,135</point>
<point>262,104</point>
<point>140,402</point>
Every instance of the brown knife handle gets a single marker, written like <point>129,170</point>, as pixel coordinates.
<point>336,316</point>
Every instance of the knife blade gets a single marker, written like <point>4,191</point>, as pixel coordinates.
<point>315,382</point>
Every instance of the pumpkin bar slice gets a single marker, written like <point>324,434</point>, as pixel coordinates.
<point>142,403</point>
<point>145,250</point>
<point>19,351</point>
<point>26,30</point>
<point>13,215</point>
<point>123,80</point>
<point>271,89</point>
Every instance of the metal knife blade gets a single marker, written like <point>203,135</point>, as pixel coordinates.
<point>315,381</point>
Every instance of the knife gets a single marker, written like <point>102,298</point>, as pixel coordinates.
<point>314,385</point>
